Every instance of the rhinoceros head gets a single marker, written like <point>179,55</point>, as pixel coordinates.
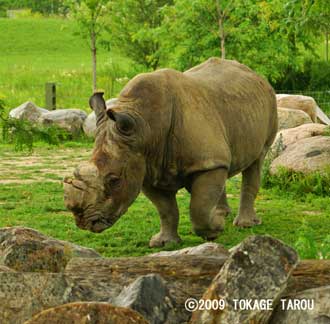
<point>103,188</point>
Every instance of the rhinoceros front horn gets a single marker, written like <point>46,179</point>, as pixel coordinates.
<point>97,103</point>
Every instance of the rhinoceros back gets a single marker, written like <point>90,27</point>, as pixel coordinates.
<point>229,116</point>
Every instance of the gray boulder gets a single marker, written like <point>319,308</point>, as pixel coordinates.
<point>289,118</point>
<point>28,111</point>
<point>310,307</point>
<point>89,125</point>
<point>149,296</point>
<point>257,270</point>
<point>306,155</point>
<point>25,249</point>
<point>206,249</point>
<point>24,294</point>
<point>70,120</point>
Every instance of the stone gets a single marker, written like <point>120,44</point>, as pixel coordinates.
<point>289,118</point>
<point>149,296</point>
<point>25,249</point>
<point>88,312</point>
<point>311,307</point>
<point>289,136</point>
<point>28,111</point>
<point>89,125</point>
<point>258,269</point>
<point>70,120</point>
<point>322,117</point>
<point>306,155</point>
<point>304,103</point>
<point>205,249</point>
<point>24,294</point>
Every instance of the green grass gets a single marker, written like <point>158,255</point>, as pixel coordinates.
<point>34,51</point>
<point>40,206</point>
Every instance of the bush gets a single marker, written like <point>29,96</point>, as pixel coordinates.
<point>320,76</point>
<point>23,134</point>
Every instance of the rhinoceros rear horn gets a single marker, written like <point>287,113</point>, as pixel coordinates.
<point>97,103</point>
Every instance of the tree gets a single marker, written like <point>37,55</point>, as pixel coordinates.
<point>223,9</point>
<point>135,28</point>
<point>256,33</point>
<point>92,19</point>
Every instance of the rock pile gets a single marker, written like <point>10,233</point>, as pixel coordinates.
<point>300,145</point>
<point>155,288</point>
<point>73,121</point>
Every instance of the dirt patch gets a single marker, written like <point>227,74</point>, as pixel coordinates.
<point>46,166</point>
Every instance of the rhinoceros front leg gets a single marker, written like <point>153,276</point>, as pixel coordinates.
<point>250,186</point>
<point>207,201</point>
<point>223,203</point>
<point>167,207</point>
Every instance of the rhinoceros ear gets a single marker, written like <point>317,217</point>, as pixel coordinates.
<point>124,122</point>
<point>97,103</point>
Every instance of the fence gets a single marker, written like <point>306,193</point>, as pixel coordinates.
<point>322,98</point>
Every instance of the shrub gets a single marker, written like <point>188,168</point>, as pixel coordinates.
<point>320,76</point>
<point>23,134</point>
<point>307,247</point>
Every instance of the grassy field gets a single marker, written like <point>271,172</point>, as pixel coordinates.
<point>31,194</point>
<point>35,51</point>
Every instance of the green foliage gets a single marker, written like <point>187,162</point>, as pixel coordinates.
<point>258,34</point>
<point>320,76</point>
<point>45,7</point>
<point>307,245</point>
<point>274,151</point>
<point>299,183</point>
<point>135,29</point>
<point>23,134</point>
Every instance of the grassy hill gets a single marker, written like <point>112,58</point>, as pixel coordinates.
<point>34,51</point>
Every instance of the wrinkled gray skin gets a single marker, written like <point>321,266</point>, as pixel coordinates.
<point>170,130</point>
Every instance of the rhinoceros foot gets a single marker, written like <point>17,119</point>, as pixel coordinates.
<point>161,239</point>
<point>247,219</point>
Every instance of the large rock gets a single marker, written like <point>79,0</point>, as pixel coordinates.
<point>289,118</point>
<point>149,296</point>
<point>25,249</point>
<point>88,312</point>
<point>304,103</point>
<point>205,249</point>
<point>309,307</point>
<point>258,269</point>
<point>28,111</point>
<point>70,120</point>
<point>24,294</point>
<point>89,125</point>
<point>289,136</point>
<point>306,155</point>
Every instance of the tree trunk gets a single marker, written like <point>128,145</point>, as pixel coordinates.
<point>186,276</point>
<point>94,64</point>
<point>222,35</point>
<point>222,38</point>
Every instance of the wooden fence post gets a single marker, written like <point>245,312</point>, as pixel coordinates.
<point>50,95</point>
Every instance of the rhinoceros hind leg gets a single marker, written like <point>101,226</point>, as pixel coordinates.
<point>167,207</point>
<point>206,213</point>
<point>250,186</point>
